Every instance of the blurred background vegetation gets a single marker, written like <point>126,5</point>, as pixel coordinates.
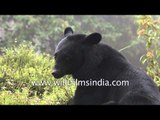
<point>27,44</point>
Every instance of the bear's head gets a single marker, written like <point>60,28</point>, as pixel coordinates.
<point>69,53</point>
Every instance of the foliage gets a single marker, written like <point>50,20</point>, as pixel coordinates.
<point>21,98</point>
<point>149,31</point>
<point>44,31</point>
<point>21,67</point>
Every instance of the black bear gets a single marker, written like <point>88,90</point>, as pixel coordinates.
<point>85,58</point>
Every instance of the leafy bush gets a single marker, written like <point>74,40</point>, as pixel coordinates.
<point>21,68</point>
<point>149,31</point>
<point>21,98</point>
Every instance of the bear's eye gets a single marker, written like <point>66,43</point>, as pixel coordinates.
<point>67,58</point>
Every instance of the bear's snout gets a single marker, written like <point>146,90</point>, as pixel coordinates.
<point>57,74</point>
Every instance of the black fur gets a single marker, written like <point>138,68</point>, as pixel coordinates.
<point>84,61</point>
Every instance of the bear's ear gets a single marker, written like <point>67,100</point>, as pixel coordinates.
<point>93,38</point>
<point>68,30</point>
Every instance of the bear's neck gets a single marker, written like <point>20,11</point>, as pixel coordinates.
<point>99,65</point>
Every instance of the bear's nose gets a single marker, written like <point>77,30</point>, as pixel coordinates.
<point>54,72</point>
<point>57,74</point>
